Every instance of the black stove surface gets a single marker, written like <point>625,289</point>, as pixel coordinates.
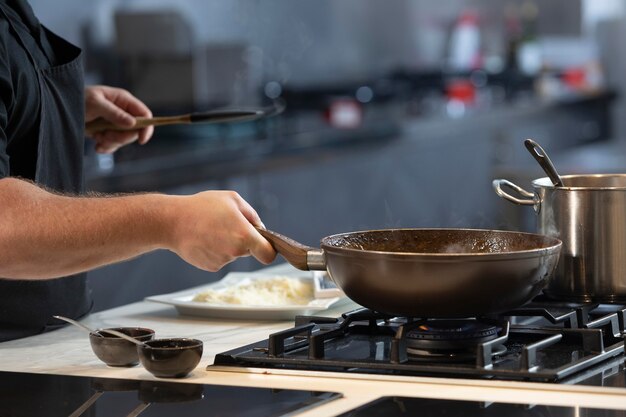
<point>36,395</point>
<point>543,341</point>
<point>408,406</point>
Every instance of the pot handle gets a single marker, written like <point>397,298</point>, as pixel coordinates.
<point>498,184</point>
<point>301,256</point>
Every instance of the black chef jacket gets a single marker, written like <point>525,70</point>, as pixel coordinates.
<point>41,139</point>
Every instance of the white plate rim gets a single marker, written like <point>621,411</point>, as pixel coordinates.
<point>177,299</point>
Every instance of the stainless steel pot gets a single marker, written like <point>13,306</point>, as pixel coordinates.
<point>589,215</point>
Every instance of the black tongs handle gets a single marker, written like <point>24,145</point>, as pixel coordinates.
<point>214,116</point>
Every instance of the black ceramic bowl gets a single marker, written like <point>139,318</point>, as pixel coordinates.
<point>170,358</point>
<point>115,351</point>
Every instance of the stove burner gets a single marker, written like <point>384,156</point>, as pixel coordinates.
<point>451,334</point>
<point>455,340</point>
<point>419,355</point>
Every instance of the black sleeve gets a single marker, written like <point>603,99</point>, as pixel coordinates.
<point>6,94</point>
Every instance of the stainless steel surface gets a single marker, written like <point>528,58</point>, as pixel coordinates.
<point>546,164</point>
<point>589,216</point>
<point>315,260</point>
<point>528,201</point>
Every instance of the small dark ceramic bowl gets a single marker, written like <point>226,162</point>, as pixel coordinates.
<point>170,358</point>
<point>115,351</point>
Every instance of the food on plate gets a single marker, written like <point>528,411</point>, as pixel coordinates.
<point>262,291</point>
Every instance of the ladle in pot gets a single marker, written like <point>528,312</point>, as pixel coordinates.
<point>546,164</point>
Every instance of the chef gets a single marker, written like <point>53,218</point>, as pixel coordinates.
<point>51,233</point>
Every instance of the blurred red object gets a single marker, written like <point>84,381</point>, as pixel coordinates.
<point>575,77</point>
<point>461,90</point>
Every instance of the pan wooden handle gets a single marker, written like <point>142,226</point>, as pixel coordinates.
<point>100,124</point>
<point>295,253</point>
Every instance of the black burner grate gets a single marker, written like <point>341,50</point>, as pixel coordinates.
<point>566,340</point>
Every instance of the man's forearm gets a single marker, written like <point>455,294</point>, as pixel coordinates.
<point>44,235</point>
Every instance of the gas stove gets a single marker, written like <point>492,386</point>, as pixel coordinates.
<point>543,341</point>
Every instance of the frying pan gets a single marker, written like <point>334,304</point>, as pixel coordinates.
<point>214,116</point>
<point>434,273</point>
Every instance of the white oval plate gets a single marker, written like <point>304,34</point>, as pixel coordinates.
<point>182,301</point>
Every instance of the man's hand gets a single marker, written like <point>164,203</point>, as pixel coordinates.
<point>214,228</point>
<point>120,107</point>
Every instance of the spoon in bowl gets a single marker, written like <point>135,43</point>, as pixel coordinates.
<point>110,331</point>
<point>164,358</point>
<point>546,164</point>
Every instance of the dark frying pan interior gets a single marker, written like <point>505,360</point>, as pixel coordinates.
<point>437,241</point>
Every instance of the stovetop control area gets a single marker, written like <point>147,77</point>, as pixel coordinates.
<point>543,341</point>
<point>36,395</point>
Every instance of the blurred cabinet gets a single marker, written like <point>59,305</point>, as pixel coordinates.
<point>171,70</point>
<point>155,46</point>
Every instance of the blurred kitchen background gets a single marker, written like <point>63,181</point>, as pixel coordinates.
<point>398,113</point>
